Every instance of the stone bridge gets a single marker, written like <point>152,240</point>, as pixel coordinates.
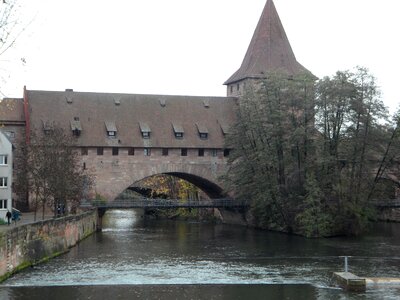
<point>114,174</point>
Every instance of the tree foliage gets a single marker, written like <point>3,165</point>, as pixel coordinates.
<point>308,153</point>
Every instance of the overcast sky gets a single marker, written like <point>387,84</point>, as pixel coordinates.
<point>190,47</point>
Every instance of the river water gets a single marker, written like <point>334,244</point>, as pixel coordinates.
<point>134,258</point>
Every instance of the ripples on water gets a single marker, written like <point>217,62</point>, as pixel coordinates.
<point>132,251</point>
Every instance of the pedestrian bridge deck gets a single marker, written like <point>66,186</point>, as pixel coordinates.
<point>164,203</point>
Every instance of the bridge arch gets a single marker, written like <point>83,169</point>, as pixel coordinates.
<point>115,176</point>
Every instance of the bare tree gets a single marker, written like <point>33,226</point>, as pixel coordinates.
<point>53,175</point>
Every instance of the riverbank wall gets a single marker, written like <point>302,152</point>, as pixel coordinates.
<point>30,244</point>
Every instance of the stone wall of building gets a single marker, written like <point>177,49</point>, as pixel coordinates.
<point>30,244</point>
<point>114,173</point>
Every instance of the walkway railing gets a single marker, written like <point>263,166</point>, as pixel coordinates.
<point>387,203</point>
<point>164,203</point>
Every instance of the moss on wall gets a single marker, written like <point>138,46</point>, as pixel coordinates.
<point>31,244</point>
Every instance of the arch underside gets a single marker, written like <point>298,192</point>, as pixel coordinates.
<point>211,189</point>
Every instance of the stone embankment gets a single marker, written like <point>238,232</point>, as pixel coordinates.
<point>30,244</point>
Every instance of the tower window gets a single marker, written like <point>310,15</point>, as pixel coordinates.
<point>201,152</point>
<point>165,152</point>
<point>100,151</point>
<point>131,151</point>
<point>115,151</point>
<point>184,152</point>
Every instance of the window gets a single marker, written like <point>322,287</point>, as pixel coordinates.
<point>231,89</point>
<point>100,151</point>
<point>201,152</point>
<point>238,87</point>
<point>48,127</point>
<point>203,131</point>
<point>203,135</point>
<point>76,132</point>
<point>131,151</point>
<point>76,127</point>
<point>147,151</point>
<point>184,152</point>
<point>145,130</point>
<point>84,166</point>
<point>178,130</point>
<point>84,151</point>
<point>3,182</point>
<point>111,129</point>
<point>165,152</point>
<point>214,152</point>
<point>115,151</point>
<point>226,152</point>
<point>3,203</point>
<point>3,159</point>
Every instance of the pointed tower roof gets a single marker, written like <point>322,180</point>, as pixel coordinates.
<point>269,49</point>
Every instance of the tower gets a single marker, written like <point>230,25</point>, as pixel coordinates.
<point>269,50</point>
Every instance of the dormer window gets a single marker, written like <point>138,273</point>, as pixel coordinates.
<point>203,131</point>
<point>224,128</point>
<point>145,130</point>
<point>76,127</point>
<point>178,130</point>
<point>111,129</point>
<point>48,127</point>
<point>203,135</point>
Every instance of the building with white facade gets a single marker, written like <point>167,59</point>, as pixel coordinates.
<point>5,175</point>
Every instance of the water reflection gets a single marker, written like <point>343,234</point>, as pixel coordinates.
<point>133,252</point>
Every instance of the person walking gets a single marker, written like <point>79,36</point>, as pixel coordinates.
<point>8,215</point>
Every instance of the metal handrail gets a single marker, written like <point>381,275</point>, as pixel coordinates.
<point>125,202</point>
<point>386,203</point>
